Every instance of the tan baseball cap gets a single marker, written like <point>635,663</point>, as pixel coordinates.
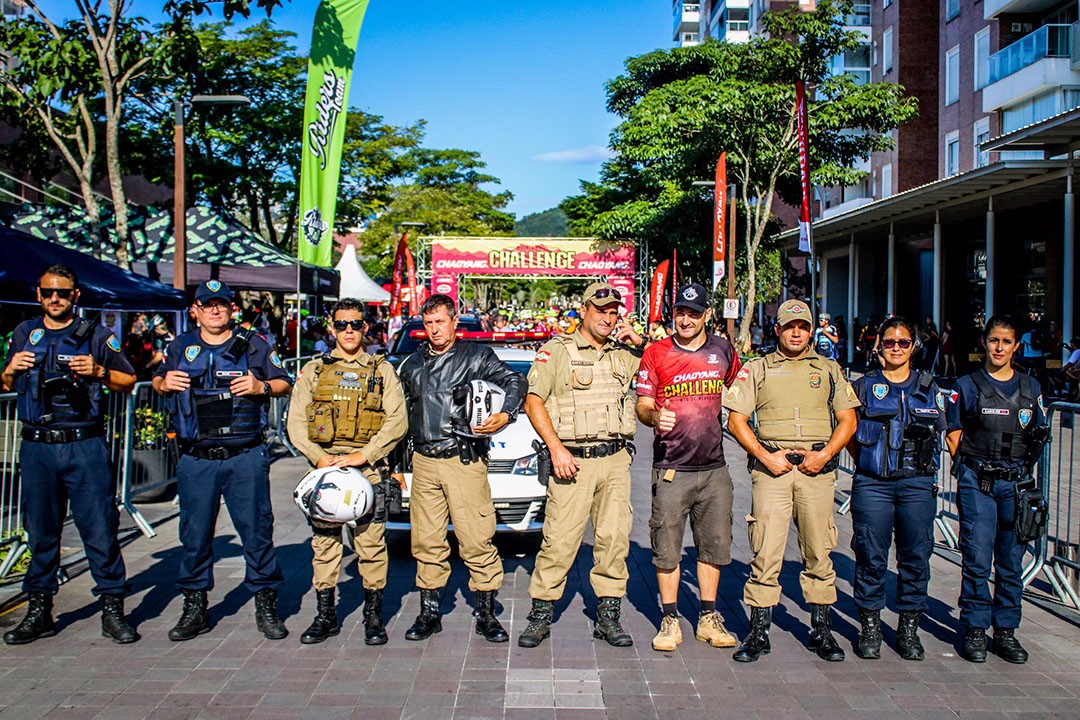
<point>601,294</point>
<point>793,310</point>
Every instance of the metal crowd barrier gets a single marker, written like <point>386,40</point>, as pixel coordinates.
<point>1060,546</point>
<point>11,532</point>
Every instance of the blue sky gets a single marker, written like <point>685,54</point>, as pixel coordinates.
<point>521,82</point>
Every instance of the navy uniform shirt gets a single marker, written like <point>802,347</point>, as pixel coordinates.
<point>963,400</point>
<point>906,388</point>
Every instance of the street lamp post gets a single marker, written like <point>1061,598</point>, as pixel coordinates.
<point>179,209</point>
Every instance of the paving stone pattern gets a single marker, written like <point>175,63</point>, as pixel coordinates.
<point>232,673</point>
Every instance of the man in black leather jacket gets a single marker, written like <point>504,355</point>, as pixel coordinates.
<point>449,471</point>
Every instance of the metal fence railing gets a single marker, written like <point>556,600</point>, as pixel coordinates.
<point>12,541</point>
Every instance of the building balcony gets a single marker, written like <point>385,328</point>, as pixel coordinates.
<point>687,19</point>
<point>1029,66</point>
<point>996,8</point>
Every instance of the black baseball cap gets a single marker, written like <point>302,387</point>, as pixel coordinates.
<point>213,289</point>
<point>694,297</point>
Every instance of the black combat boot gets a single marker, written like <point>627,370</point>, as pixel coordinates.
<point>907,636</point>
<point>325,624</point>
<point>821,638</point>
<point>1007,647</point>
<point>486,622</point>
<point>113,623</point>
<point>539,626</point>
<point>266,616</point>
<point>608,613</point>
<point>869,645</point>
<point>975,645</point>
<point>756,643</point>
<point>429,621</point>
<point>194,619</point>
<point>374,630</point>
<point>38,622</point>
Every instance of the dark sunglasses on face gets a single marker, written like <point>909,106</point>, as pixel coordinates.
<point>607,292</point>
<point>340,325</point>
<point>889,344</point>
<point>62,293</point>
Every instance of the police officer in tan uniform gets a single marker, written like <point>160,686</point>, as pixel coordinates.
<point>805,416</point>
<point>348,410</point>
<point>578,403</point>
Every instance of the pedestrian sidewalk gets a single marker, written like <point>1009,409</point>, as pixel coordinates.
<point>232,673</point>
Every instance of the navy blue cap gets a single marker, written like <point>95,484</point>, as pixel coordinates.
<point>693,296</point>
<point>212,289</point>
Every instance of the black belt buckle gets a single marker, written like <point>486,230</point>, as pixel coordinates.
<point>218,453</point>
<point>795,458</point>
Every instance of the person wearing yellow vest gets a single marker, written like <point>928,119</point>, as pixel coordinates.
<point>348,410</point>
<point>580,406</point>
<point>805,411</point>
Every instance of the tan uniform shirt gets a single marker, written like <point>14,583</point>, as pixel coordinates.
<point>393,428</point>
<point>550,372</point>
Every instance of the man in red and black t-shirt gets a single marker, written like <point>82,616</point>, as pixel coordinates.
<point>679,389</point>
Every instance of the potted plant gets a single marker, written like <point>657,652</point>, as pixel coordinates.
<point>150,454</point>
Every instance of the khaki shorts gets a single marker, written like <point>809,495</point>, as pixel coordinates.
<point>703,495</point>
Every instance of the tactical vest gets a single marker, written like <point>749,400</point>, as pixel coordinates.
<point>996,428</point>
<point>794,400</point>
<point>50,394</point>
<point>207,411</point>
<point>346,406</point>
<point>597,406</point>
<point>897,434</point>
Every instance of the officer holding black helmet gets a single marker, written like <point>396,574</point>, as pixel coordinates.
<point>218,383</point>
<point>896,449</point>
<point>60,366</point>
<point>997,430</point>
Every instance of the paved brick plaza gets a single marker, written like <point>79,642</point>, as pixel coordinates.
<point>233,673</point>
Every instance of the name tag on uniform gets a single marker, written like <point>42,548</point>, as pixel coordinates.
<point>64,358</point>
<point>995,411</point>
<point>228,373</point>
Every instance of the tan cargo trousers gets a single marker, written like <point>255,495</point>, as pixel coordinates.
<point>776,501</point>
<point>601,493</point>
<point>444,490</point>
<point>369,542</point>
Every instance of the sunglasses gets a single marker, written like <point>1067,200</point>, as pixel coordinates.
<point>62,293</point>
<point>340,325</point>
<point>903,343</point>
<point>605,293</point>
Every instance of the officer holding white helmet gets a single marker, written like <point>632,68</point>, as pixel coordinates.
<point>347,411</point>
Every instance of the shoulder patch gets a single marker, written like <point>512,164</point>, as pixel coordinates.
<point>274,359</point>
<point>192,351</point>
<point>954,396</point>
<point>880,390</point>
<point>744,374</point>
<point>112,343</point>
<point>734,392</point>
<point>36,335</point>
<point>543,356</point>
<point>1042,408</point>
<point>1025,417</point>
<point>941,401</point>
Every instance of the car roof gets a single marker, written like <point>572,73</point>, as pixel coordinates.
<point>509,354</point>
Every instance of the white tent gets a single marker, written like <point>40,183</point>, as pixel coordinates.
<point>355,283</point>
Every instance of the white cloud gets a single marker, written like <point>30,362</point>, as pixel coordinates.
<point>578,156</point>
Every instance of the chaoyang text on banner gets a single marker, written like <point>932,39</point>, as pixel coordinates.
<point>803,125</point>
<point>656,295</point>
<point>399,275</point>
<point>719,228</point>
<point>333,49</point>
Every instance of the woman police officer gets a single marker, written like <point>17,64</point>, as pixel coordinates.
<point>995,415</point>
<point>896,449</point>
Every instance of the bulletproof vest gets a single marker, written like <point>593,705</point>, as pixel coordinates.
<point>347,403</point>
<point>897,432</point>
<point>996,428</point>
<point>50,394</point>
<point>596,407</point>
<point>794,399</point>
<point>207,411</point>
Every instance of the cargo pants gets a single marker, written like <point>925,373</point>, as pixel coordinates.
<point>369,542</point>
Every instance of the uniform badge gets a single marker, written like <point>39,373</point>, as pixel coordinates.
<point>734,392</point>
<point>274,359</point>
<point>36,335</point>
<point>1025,417</point>
<point>815,380</point>
<point>213,285</point>
<point>940,401</point>
<point>880,390</point>
<point>112,343</point>
<point>1042,408</point>
<point>954,396</point>
<point>744,374</point>
<point>191,352</point>
<point>543,356</point>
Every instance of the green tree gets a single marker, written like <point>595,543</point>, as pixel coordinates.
<point>548,223</point>
<point>681,108</point>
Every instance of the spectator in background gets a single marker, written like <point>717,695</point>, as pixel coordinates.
<point>931,341</point>
<point>841,339</point>
<point>757,336</point>
<point>138,346</point>
<point>948,351</point>
<point>825,337</point>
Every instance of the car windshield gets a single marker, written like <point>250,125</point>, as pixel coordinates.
<point>520,366</point>
<point>406,343</point>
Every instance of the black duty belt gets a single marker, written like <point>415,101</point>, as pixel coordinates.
<point>218,452</point>
<point>449,452</point>
<point>66,435</point>
<point>599,450</point>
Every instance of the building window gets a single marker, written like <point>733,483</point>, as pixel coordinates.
<point>982,57</point>
<point>980,134</point>
<point>886,3</point>
<point>886,180</point>
<point>952,75</point>
<point>886,50</point>
<point>952,153</point>
<point>952,9</point>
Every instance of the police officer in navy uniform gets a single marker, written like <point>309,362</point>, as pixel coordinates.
<point>896,450</point>
<point>60,365</point>
<point>995,416</point>
<point>218,382</point>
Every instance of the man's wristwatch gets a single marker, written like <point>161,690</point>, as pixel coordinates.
<point>266,388</point>
<point>104,374</point>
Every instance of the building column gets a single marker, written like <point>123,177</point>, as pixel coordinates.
<point>991,261</point>
<point>821,264</point>
<point>938,275</point>
<point>852,293</point>
<point>890,300</point>
<point>1068,260</point>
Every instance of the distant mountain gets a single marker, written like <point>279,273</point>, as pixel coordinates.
<point>549,223</point>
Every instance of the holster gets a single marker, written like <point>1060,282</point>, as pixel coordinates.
<point>834,461</point>
<point>545,469</point>
<point>472,450</point>
<point>389,493</point>
<point>990,475</point>
<point>923,440</point>
<point>1032,510</point>
<point>1036,439</point>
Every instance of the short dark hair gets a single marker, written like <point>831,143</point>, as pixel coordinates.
<point>62,271</point>
<point>1001,321</point>
<point>347,304</point>
<point>437,301</point>
<point>897,321</point>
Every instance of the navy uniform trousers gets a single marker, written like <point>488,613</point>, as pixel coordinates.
<point>244,481</point>
<point>879,508</point>
<point>988,541</point>
<point>79,472</point>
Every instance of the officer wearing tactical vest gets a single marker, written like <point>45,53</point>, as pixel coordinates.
<point>59,365</point>
<point>348,410</point>
<point>580,406</point>
<point>997,431</point>
<point>805,416</point>
<point>896,449</point>
<point>218,383</point>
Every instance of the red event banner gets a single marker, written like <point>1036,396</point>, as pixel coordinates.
<point>531,256</point>
<point>399,272</point>
<point>719,228</point>
<point>802,118</point>
<point>656,296</point>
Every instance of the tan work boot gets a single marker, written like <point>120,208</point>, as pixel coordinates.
<point>710,629</point>
<point>670,634</point>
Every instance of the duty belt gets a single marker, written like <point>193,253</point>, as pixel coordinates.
<point>66,435</point>
<point>218,452</point>
<point>440,454</point>
<point>597,451</point>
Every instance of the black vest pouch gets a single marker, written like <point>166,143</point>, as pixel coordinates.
<point>214,414</point>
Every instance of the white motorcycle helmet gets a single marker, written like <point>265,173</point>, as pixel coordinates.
<point>334,495</point>
<point>479,400</point>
